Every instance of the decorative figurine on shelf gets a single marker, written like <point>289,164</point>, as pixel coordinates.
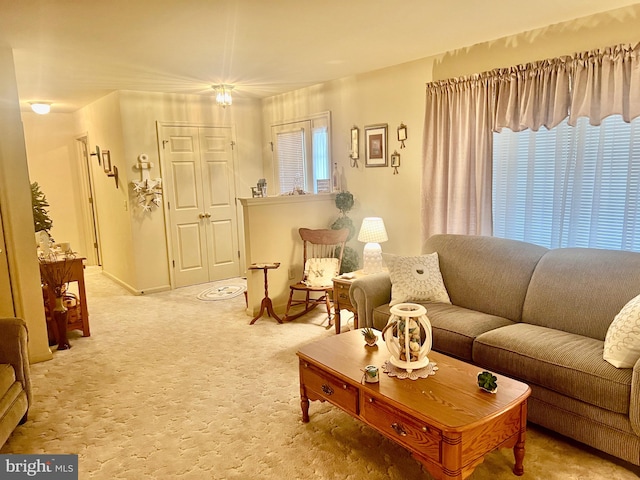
<point>369,336</point>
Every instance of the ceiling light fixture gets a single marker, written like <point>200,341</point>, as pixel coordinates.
<point>41,108</point>
<point>223,94</point>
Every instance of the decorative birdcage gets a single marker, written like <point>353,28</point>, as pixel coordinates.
<point>408,336</point>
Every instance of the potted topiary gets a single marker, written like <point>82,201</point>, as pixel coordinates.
<point>344,203</point>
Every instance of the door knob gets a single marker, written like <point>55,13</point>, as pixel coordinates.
<point>207,215</point>
<point>201,216</point>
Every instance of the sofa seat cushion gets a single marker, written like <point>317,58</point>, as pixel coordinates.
<point>453,328</point>
<point>567,363</point>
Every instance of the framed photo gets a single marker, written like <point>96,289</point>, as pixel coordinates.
<point>97,154</point>
<point>395,159</point>
<point>355,143</point>
<point>375,144</point>
<point>106,161</point>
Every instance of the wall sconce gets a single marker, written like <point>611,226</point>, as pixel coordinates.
<point>223,94</point>
<point>373,233</point>
<point>41,108</point>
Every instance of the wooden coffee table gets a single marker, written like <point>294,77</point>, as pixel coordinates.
<point>445,421</point>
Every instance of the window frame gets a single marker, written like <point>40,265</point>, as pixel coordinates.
<point>309,124</point>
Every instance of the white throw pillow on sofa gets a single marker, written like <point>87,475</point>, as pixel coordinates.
<point>622,343</point>
<point>416,279</point>
<point>319,272</point>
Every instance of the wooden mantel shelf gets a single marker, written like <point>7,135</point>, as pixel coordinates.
<point>284,199</point>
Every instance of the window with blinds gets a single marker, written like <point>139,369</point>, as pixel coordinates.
<point>569,186</point>
<point>302,152</point>
<point>291,164</point>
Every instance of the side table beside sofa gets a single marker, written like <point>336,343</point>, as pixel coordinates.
<point>540,316</point>
<point>15,383</point>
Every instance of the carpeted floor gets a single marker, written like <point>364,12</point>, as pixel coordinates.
<point>170,387</point>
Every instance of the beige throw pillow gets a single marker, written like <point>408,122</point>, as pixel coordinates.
<point>622,343</point>
<point>319,272</point>
<point>416,279</point>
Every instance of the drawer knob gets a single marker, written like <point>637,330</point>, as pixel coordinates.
<point>344,385</point>
<point>371,400</point>
<point>327,389</point>
<point>399,429</point>
<point>425,429</point>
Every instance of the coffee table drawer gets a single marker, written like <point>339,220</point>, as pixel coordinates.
<point>328,387</point>
<point>402,428</point>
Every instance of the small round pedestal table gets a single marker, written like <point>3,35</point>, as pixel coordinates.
<point>266,301</point>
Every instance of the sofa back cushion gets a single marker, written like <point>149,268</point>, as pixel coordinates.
<point>581,290</point>
<point>487,274</point>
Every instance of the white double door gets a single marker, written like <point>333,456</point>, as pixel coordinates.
<point>200,188</point>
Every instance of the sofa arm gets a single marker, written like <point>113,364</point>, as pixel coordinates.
<point>14,350</point>
<point>634,403</point>
<point>369,292</point>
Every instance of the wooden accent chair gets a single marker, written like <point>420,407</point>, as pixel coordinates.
<point>322,257</point>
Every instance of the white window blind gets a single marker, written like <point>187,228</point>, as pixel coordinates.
<point>291,160</point>
<point>321,170</point>
<point>569,186</point>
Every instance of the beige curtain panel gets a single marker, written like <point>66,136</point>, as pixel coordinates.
<point>461,115</point>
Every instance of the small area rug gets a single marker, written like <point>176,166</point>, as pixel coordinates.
<point>221,293</point>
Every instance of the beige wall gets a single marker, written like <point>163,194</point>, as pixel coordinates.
<point>17,218</point>
<point>54,164</point>
<point>134,245</point>
<point>397,94</point>
<point>392,96</point>
<point>125,123</point>
<point>271,235</point>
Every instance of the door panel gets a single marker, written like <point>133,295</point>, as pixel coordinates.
<point>190,247</point>
<point>224,254</point>
<point>184,194</point>
<point>184,185</point>
<point>219,196</point>
<point>219,186</point>
<point>202,210</point>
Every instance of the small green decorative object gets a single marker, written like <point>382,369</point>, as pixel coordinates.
<point>488,381</point>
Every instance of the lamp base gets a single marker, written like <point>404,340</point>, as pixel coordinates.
<point>372,258</point>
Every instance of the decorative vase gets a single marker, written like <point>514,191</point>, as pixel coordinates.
<point>408,336</point>
<point>60,317</point>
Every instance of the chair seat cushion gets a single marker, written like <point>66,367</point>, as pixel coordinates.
<point>7,377</point>
<point>567,363</point>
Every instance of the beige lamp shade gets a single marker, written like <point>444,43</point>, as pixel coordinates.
<point>372,232</point>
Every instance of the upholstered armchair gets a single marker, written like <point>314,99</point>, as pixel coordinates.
<point>15,383</point>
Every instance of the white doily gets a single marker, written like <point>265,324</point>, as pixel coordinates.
<point>423,372</point>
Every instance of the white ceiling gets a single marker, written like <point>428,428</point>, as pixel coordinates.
<point>71,52</point>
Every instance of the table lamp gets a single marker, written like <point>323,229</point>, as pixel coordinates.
<point>373,233</point>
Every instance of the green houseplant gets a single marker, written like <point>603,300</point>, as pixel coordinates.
<point>344,202</point>
<point>41,219</point>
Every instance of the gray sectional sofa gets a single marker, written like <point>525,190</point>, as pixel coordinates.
<point>540,316</point>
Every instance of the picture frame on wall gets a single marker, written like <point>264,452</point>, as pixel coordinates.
<point>106,161</point>
<point>355,140</point>
<point>375,144</point>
